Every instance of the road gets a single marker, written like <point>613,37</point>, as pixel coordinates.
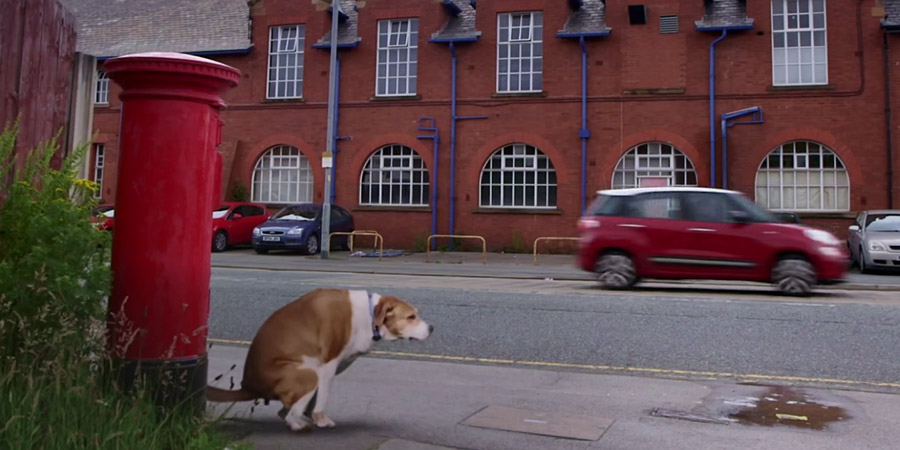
<point>845,339</point>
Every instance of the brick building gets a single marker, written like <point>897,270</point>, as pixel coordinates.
<point>552,101</point>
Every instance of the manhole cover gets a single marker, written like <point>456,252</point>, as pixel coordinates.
<point>572,426</point>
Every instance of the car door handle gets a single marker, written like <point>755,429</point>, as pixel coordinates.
<point>632,225</point>
<point>702,230</point>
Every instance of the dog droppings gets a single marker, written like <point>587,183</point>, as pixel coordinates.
<point>784,406</point>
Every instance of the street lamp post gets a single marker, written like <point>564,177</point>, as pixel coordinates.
<point>327,160</point>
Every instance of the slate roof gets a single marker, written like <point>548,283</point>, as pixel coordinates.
<point>348,31</point>
<point>590,18</point>
<point>725,14</point>
<point>460,27</point>
<point>109,28</point>
<point>891,19</point>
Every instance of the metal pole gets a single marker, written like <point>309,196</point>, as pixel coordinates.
<point>327,158</point>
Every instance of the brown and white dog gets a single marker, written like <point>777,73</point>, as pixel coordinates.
<point>302,346</point>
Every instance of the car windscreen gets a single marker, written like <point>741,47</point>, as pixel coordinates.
<point>605,205</point>
<point>220,212</point>
<point>757,213</point>
<point>302,212</point>
<point>883,222</point>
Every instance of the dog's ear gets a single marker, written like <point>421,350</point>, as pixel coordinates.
<point>383,309</point>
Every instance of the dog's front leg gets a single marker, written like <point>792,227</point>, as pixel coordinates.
<point>326,374</point>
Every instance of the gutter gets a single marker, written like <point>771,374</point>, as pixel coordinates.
<point>757,118</point>
<point>888,125</point>
<point>434,179</point>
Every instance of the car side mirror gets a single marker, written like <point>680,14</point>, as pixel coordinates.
<point>853,228</point>
<point>739,216</point>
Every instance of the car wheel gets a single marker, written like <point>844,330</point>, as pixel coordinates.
<point>616,271</point>
<point>312,244</point>
<point>862,262</point>
<point>261,251</point>
<point>794,276</point>
<point>220,241</point>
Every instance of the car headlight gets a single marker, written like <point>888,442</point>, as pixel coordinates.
<point>295,230</point>
<point>822,236</point>
<point>876,246</point>
<point>256,231</point>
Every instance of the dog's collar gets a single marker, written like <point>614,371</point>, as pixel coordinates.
<point>376,334</point>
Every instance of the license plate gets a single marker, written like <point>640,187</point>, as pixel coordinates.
<point>271,238</point>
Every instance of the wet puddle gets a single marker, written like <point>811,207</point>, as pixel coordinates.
<point>781,405</point>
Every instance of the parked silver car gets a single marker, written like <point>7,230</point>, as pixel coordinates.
<point>874,241</point>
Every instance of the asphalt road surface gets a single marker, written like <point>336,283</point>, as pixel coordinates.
<point>842,339</point>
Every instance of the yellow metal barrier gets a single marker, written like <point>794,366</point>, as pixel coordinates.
<point>456,236</point>
<point>548,238</point>
<point>379,239</point>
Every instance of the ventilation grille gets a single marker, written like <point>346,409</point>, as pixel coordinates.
<point>668,24</point>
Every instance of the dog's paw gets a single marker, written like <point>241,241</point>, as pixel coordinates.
<point>297,424</point>
<point>322,421</point>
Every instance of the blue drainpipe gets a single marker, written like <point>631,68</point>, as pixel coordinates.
<point>434,170</point>
<point>583,133</point>
<point>712,109</point>
<point>757,118</point>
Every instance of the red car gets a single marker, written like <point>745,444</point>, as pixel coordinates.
<point>702,233</point>
<point>233,223</point>
<point>104,217</point>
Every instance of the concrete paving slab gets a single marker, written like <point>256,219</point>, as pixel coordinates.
<point>547,423</point>
<point>403,444</point>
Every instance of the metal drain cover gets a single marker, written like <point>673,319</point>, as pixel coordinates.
<point>572,426</point>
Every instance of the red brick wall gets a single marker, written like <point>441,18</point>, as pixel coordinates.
<point>847,115</point>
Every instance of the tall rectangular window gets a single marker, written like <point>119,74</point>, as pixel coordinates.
<point>99,150</point>
<point>799,45</point>
<point>101,90</point>
<point>398,55</point>
<point>520,52</point>
<point>285,78</point>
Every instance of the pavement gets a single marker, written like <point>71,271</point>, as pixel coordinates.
<point>392,403</point>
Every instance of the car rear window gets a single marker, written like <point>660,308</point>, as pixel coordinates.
<point>605,205</point>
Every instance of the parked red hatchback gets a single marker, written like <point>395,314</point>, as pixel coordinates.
<point>233,223</point>
<point>702,233</point>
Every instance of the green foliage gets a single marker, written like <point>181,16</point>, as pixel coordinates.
<point>239,192</point>
<point>54,281</point>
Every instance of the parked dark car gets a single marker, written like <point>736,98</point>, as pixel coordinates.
<point>701,233</point>
<point>874,240</point>
<point>299,227</point>
<point>233,223</point>
<point>788,217</point>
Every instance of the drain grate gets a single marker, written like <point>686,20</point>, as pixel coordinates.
<point>689,416</point>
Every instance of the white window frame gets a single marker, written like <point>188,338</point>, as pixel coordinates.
<point>394,176</point>
<point>799,43</point>
<point>516,169</point>
<point>520,52</point>
<point>805,184</point>
<point>284,78</point>
<point>101,88</point>
<point>638,163</point>
<point>282,175</point>
<point>397,58</point>
<point>99,164</point>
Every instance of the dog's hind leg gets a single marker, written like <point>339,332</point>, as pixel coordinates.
<point>296,388</point>
<point>326,374</point>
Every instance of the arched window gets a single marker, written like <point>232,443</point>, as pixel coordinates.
<point>803,176</point>
<point>282,175</point>
<point>518,176</point>
<point>653,164</point>
<point>394,175</point>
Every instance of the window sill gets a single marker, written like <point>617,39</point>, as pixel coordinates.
<point>802,87</point>
<point>524,211</point>
<point>394,98</point>
<point>518,94</point>
<point>284,100</point>
<point>660,91</point>
<point>395,208</point>
<point>101,105</point>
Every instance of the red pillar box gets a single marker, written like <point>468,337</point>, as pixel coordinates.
<point>159,310</point>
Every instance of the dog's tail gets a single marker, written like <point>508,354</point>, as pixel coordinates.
<point>215,394</point>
